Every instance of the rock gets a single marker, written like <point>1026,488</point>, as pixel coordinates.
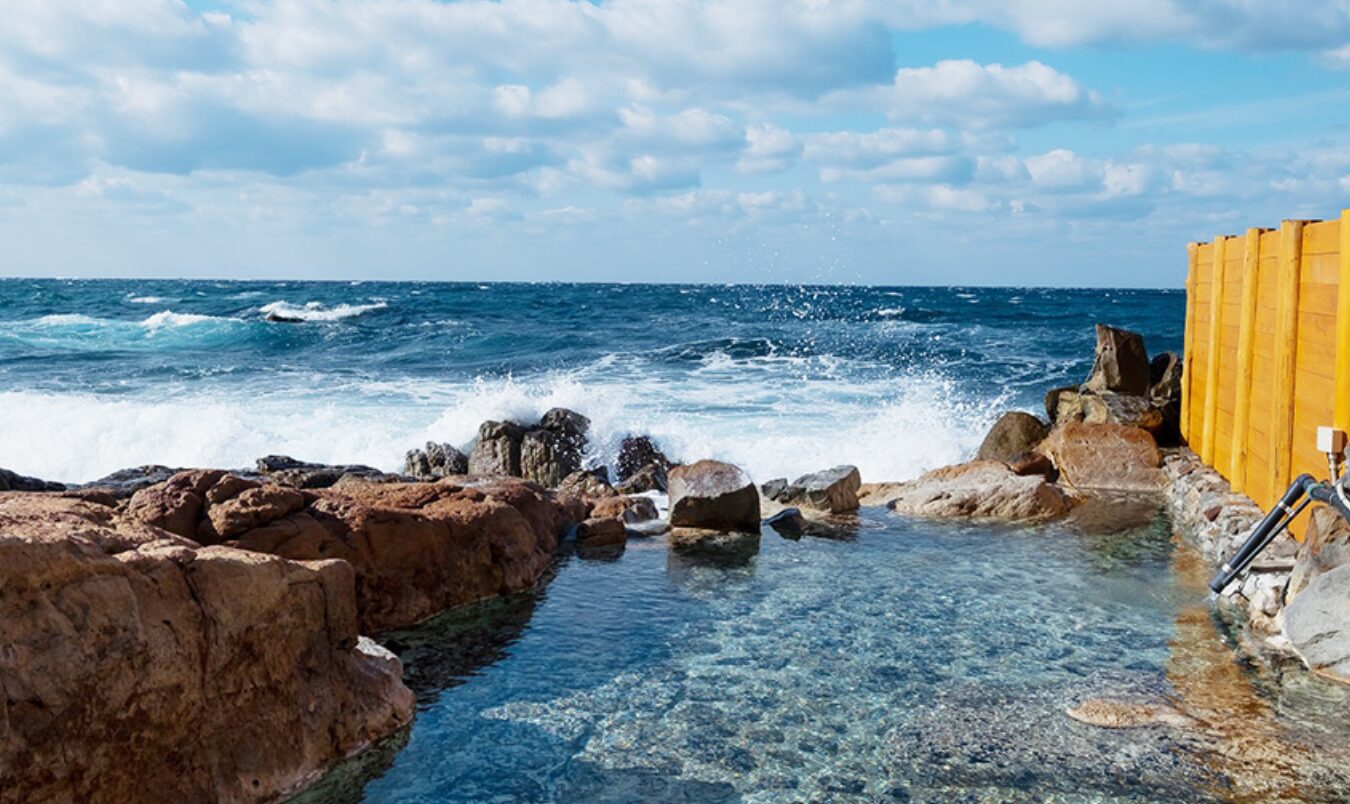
<point>1105,456</point>
<point>1121,363</point>
<point>435,461</point>
<point>980,490</point>
<point>1064,405</point>
<point>497,450</point>
<point>1317,623</point>
<point>552,450</point>
<point>588,484</point>
<point>628,509</point>
<point>288,471</point>
<point>1326,546</point>
<point>1110,714</point>
<point>125,482</point>
<point>722,546</point>
<point>246,509</point>
<point>176,504</point>
<point>1014,433</point>
<point>788,522</point>
<point>601,532</point>
<point>832,490</point>
<point>713,495</point>
<point>773,489</point>
<point>651,477</point>
<point>156,670</point>
<point>1164,378</point>
<point>637,453</point>
<point>1033,463</point>
<point>13,481</point>
<point>1112,408</point>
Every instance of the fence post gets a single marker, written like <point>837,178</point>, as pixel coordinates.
<point>1286,351</point>
<point>1343,328</point>
<point>1188,345</point>
<point>1251,277</point>
<point>1216,286</point>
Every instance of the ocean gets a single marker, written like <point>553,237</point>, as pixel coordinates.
<point>99,375</point>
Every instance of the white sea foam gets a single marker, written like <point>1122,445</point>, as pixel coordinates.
<point>773,424</point>
<point>168,319</point>
<point>315,311</point>
<point>147,299</point>
<point>890,312</point>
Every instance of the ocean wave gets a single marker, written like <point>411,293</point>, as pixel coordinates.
<point>147,299</point>
<point>316,311</point>
<point>165,329</point>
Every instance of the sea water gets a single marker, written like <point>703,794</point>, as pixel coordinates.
<point>896,659</point>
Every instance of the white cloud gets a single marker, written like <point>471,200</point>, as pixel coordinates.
<point>964,92</point>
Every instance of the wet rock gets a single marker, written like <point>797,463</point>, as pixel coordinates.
<point>651,477</point>
<point>788,522</point>
<point>831,490</point>
<point>1014,433</point>
<point>13,481</point>
<point>552,450</point>
<point>287,471</point>
<point>637,453</point>
<point>435,461</point>
<point>713,495</point>
<point>1121,364</point>
<point>497,450</point>
<point>588,484</point>
<point>773,489</point>
<point>979,490</point>
<point>630,510</point>
<point>718,545</point>
<point>1104,456</point>
<point>1317,623</point>
<point>1111,714</point>
<point>602,531</point>
<point>1326,546</point>
<point>148,668</point>
<point>1128,411</point>
<point>125,482</point>
<point>1033,463</point>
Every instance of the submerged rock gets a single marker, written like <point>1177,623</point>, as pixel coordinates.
<point>435,461</point>
<point>1111,714</point>
<point>978,490</point>
<point>1013,434</point>
<point>713,495</point>
<point>1105,456</point>
<point>1121,363</point>
<point>138,666</point>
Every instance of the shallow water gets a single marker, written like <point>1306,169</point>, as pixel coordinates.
<point>904,660</point>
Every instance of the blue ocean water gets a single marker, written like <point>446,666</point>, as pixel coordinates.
<point>99,375</point>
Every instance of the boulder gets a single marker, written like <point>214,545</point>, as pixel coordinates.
<point>630,510</point>
<point>497,450</point>
<point>435,461</point>
<point>979,490</point>
<point>1111,408</point>
<point>1014,433</point>
<point>1121,364</point>
<point>139,667</point>
<point>1105,456</point>
<point>1164,378</point>
<point>788,522</point>
<point>651,477</point>
<point>1317,623</point>
<point>587,484</point>
<point>1033,463</point>
<point>1326,546</point>
<point>287,471</point>
<point>1064,405</point>
<point>125,482</point>
<point>601,532</point>
<point>13,481</point>
<point>831,490</point>
<point>713,495</point>
<point>552,450</point>
<point>639,453</point>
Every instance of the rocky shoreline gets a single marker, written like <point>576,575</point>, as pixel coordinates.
<point>159,626</point>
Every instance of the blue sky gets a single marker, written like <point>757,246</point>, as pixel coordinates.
<point>1026,142</point>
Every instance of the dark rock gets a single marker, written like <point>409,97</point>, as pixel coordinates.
<point>125,482</point>
<point>552,450</point>
<point>1121,363</point>
<point>629,509</point>
<point>775,488</point>
<point>713,495</point>
<point>788,522</point>
<point>1014,433</point>
<point>601,532</point>
<point>833,490</point>
<point>435,461</point>
<point>12,481</point>
<point>637,453</point>
<point>1164,378</point>
<point>287,471</point>
<point>587,484</point>
<point>651,477</point>
<point>497,450</point>
<point>1212,512</point>
<point>1033,463</point>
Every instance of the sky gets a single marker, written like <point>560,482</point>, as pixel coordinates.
<point>949,142</point>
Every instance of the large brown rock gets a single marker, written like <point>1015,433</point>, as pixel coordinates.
<point>1105,456</point>
<point>1121,364</point>
<point>1013,434</point>
<point>977,490</point>
<point>137,667</point>
<point>712,495</point>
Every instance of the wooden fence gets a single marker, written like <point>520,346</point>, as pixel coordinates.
<point>1267,358</point>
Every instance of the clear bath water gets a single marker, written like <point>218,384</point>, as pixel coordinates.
<point>897,660</point>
